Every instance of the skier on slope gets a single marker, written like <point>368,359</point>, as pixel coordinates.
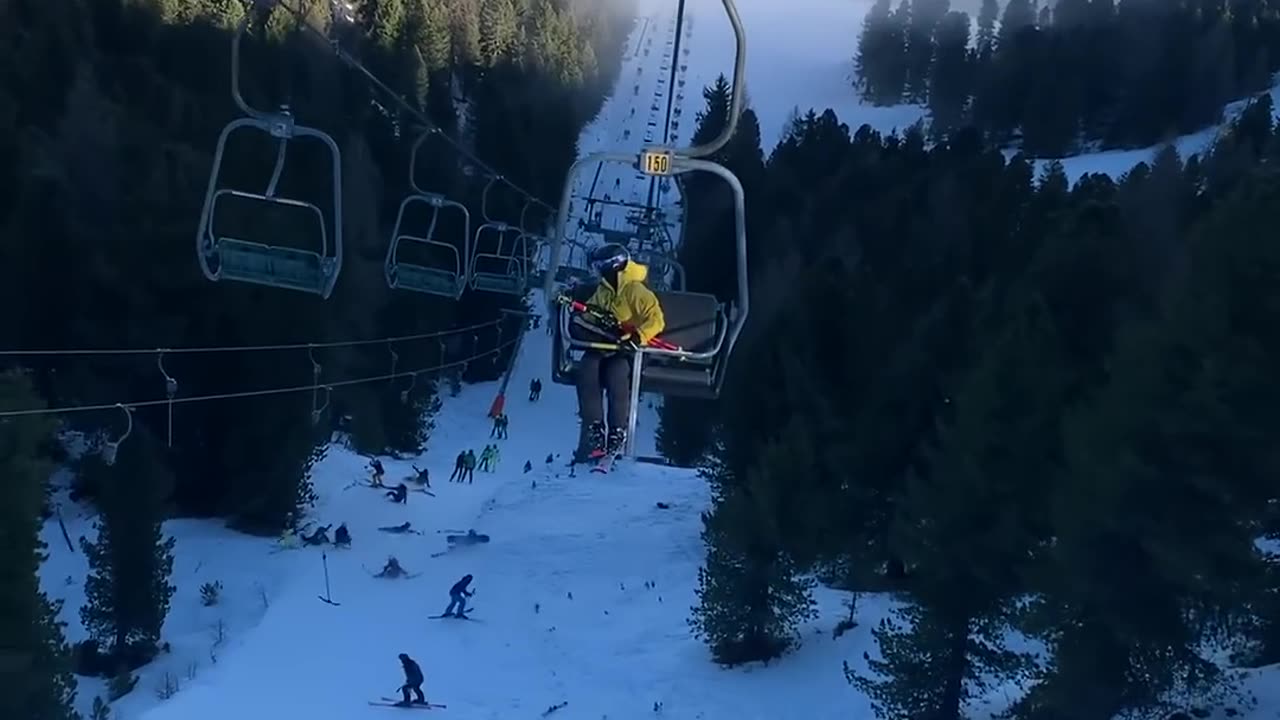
<point>486,456</point>
<point>412,681</point>
<point>458,595</point>
<point>535,389</point>
<point>494,456</point>
<point>392,569</point>
<point>623,294</point>
<point>503,423</point>
<point>378,472</point>
<point>459,467</point>
<point>342,536</point>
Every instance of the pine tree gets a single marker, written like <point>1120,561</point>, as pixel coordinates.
<point>951,82</point>
<point>34,659</point>
<point>750,594</point>
<point>880,63</point>
<point>499,29</point>
<point>385,21</point>
<point>987,16</point>
<point>924,18</point>
<point>127,591</point>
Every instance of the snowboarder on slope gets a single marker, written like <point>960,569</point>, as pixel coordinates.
<point>412,681</point>
<point>458,595</point>
<point>623,294</point>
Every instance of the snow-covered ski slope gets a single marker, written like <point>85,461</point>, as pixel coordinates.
<point>634,114</point>
<point>562,611</point>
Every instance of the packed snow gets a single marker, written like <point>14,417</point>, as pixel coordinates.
<point>583,595</point>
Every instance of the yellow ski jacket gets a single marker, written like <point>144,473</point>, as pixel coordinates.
<point>632,302</point>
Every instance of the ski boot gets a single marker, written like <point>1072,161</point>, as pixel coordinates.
<point>616,442</point>
<point>593,441</point>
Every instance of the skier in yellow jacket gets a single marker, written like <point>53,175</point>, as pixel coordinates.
<point>623,294</point>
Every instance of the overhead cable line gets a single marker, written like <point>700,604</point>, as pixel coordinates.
<point>356,65</point>
<point>251,348</point>
<point>68,409</point>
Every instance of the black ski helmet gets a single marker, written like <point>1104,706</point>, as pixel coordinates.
<point>609,258</point>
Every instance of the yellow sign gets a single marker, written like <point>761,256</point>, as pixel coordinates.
<point>655,162</point>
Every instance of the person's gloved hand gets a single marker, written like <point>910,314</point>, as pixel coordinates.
<point>629,340</point>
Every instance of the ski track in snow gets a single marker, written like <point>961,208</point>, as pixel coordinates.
<point>615,647</point>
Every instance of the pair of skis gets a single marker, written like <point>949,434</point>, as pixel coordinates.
<point>392,702</point>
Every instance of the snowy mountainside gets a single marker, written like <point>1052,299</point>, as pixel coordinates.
<point>582,596</point>
<point>785,75</point>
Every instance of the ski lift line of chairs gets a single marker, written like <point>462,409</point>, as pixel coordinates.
<point>702,328</point>
<point>223,257</point>
<point>446,277</point>
<point>314,269</point>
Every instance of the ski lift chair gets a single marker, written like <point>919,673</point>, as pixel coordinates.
<point>499,271</point>
<point>445,275</point>
<point>223,257</point>
<point>702,328</point>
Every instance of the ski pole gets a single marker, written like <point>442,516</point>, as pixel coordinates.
<point>324,558</point>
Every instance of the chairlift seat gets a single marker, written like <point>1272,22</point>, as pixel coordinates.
<point>273,266</point>
<point>495,283</point>
<point>693,322</point>
<point>432,281</point>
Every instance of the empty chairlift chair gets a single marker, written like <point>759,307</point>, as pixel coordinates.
<point>223,256</point>
<point>499,255</point>
<point>444,273</point>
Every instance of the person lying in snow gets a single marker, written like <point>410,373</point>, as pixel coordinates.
<point>398,494</point>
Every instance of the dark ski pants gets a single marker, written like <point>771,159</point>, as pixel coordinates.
<point>417,691</point>
<point>468,474</point>
<point>459,601</point>
<point>598,374</point>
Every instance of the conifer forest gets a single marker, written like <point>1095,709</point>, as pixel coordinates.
<point>1038,412</point>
